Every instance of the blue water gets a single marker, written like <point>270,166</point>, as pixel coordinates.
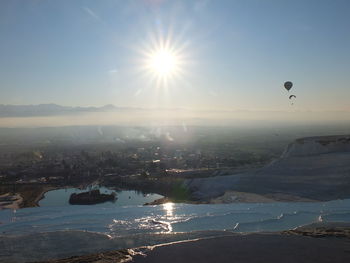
<point>60,197</point>
<point>117,220</point>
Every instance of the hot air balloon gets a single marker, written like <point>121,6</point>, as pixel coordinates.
<point>288,85</point>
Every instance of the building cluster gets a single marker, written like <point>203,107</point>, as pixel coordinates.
<point>62,166</point>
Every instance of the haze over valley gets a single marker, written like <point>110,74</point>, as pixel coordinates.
<point>174,131</point>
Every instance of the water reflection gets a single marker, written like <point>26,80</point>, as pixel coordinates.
<point>169,209</point>
<point>169,217</point>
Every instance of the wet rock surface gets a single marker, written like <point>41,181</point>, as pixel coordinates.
<point>341,230</point>
<point>250,248</point>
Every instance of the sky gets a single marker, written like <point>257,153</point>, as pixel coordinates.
<point>231,54</point>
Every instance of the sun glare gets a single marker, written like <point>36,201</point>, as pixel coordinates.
<point>169,209</point>
<point>163,62</point>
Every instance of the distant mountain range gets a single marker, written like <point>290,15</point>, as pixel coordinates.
<point>51,109</point>
<point>110,114</point>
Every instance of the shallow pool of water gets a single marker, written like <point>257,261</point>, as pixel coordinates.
<point>60,197</point>
<point>118,220</point>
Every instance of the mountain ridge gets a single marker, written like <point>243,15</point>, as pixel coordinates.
<point>7,110</point>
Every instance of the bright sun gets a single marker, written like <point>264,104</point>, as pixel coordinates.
<point>163,62</point>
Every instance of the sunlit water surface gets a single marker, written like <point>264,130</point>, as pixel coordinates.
<point>130,217</point>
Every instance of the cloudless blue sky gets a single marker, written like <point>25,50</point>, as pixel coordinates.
<point>237,53</point>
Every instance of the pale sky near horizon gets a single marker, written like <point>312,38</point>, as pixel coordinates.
<point>235,54</point>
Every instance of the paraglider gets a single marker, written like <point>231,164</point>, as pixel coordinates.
<point>291,97</point>
<point>288,85</point>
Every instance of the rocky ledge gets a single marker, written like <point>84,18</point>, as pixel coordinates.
<point>248,248</point>
<point>322,230</point>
